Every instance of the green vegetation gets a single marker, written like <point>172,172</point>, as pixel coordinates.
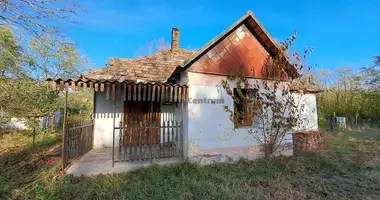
<point>354,95</point>
<point>31,50</point>
<point>348,170</point>
<point>24,166</point>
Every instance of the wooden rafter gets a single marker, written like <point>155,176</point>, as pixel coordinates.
<point>127,91</point>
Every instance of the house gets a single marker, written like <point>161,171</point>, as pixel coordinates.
<point>169,104</point>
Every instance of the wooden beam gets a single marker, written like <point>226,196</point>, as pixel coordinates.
<point>134,92</point>
<point>153,92</point>
<point>67,86</point>
<point>139,93</point>
<point>144,93</point>
<point>124,91</point>
<point>102,87</point>
<point>113,94</point>
<point>53,86</point>
<point>96,87</point>
<point>162,93</point>
<point>84,86</point>
<point>129,92</point>
<point>107,91</point>
<point>73,85</point>
<point>180,94</point>
<point>175,93</point>
<point>158,93</point>
<point>149,92</point>
<point>61,84</point>
<point>184,96</point>
<point>171,94</point>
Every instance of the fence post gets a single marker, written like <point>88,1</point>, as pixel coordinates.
<point>64,133</point>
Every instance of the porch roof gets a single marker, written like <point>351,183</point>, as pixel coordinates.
<point>157,67</point>
<point>305,87</point>
<point>126,90</point>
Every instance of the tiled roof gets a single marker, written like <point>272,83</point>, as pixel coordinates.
<point>305,86</point>
<point>157,67</point>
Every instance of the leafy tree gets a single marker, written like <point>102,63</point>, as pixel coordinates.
<point>377,60</point>
<point>50,58</point>
<point>10,54</point>
<point>350,95</point>
<point>372,73</point>
<point>23,91</point>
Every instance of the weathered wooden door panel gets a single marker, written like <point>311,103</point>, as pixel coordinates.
<point>141,122</point>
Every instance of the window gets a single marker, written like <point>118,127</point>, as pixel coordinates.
<point>243,109</point>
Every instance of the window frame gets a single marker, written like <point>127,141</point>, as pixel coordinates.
<point>246,108</point>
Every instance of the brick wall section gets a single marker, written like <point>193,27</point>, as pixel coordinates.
<point>308,141</point>
<point>175,39</point>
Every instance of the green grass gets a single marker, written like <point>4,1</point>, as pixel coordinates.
<point>369,134</point>
<point>23,165</point>
<point>350,169</point>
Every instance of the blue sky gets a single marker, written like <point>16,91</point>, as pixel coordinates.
<point>342,32</point>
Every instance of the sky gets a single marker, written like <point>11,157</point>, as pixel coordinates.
<point>342,33</point>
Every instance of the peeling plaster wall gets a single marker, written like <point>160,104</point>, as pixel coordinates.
<point>309,114</point>
<point>210,131</point>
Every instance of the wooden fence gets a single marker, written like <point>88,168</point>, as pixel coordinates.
<point>77,140</point>
<point>353,123</point>
<point>144,140</point>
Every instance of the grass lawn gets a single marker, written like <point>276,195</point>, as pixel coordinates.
<point>350,169</point>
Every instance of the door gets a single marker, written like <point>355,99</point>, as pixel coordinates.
<point>141,119</point>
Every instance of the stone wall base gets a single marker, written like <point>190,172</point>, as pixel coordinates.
<point>234,154</point>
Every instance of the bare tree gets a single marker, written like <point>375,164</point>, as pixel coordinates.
<point>152,47</point>
<point>37,16</point>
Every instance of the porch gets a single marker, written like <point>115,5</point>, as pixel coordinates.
<point>139,144</point>
<point>134,124</point>
<point>99,161</point>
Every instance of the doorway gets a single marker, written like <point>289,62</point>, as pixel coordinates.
<point>141,123</point>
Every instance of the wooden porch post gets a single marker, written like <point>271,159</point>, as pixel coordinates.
<point>183,132</point>
<point>152,131</point>
<point>113,133</point>
<point>64,131</point>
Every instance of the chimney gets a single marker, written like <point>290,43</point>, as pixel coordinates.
<point>175,39</point>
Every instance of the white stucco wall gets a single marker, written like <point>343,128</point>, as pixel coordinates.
<point>210,131</point>
<point>104,110</point>
<point>170,113</point>
<point>307,105</point>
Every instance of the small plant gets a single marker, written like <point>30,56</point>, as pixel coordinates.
<point>67,178</point>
